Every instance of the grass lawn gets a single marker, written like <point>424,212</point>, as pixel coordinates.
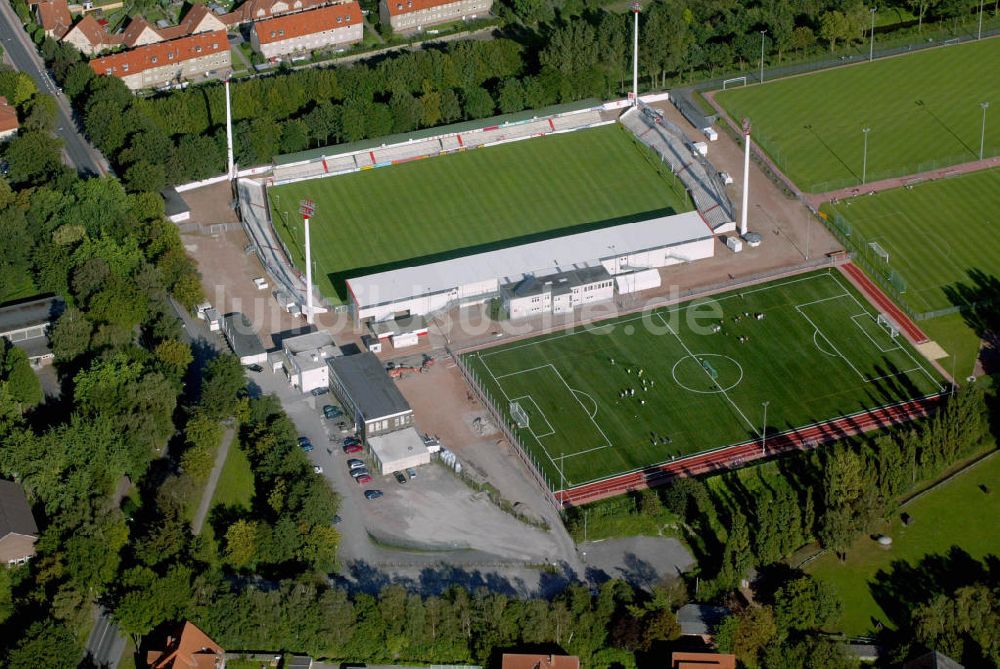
<point>18,288</point>
<point>817,354</point>
<point>235,487</point>
<point>938,234</point>
<point>923,110</point>
<point>958,339</point>
<point>956,514</point>
<point>472,201</point>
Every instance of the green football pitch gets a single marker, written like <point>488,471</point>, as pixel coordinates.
<point>937,235</point>
<point>923,110</point>
<point>641,390</point>
<point>472,201</point>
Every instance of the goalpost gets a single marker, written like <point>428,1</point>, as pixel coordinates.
<point>733,80</point>
<point>888,325</point>
<point>880,251</point>
<point>519,415</point>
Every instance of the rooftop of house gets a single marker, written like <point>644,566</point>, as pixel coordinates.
<point>95,33</point>
<point>290,26</point>
<point>55,17</point>
<point>530,661</point>
<point>191,649</point>
<point>15,513</point>
<point>163,53</point>
<point>30,313</point>
<point>8,116</point>
<point>399,7</point>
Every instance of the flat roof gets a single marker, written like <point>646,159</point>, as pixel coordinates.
<point>241,335</point>
<point>557,284</point>
<point>31,313</point>
<point>398,326</point>
<point>513,263</point>
<point>395,446</point>
<point>371,389</point>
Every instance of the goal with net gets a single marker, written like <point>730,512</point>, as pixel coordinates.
<point>879,251</point>
<point>519,415</point>
<point>888,325</point>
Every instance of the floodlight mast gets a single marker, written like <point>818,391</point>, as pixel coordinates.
<point>308,209</point>
<point>636,8</point>
<point>229,134</point>
<point>746,177</point>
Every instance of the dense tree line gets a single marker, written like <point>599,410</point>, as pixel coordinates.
<point>120,363</point>
<point>552,51</point>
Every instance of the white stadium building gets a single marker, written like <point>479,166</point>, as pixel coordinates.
<point>622,250</point>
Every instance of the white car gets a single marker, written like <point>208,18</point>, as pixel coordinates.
<point>261,283</point>
<point>318,469</point>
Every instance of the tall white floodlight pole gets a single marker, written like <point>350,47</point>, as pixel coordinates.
<point>980,35</point>
<point>982,133</point>
<point>746,176</point>
<point>308,209</point>
<point>762,33</point>
<point>763,431</point>
<point>864,159</point>
<point>229,133</point>
<point>871,47</point>
<point>636,8</point>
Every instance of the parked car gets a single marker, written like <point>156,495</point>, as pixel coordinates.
<point>305,444</point>
<point>353,448</point>
<point>412,472</point>
<point>399,477</point>
<point>354,463</point>
<point>317,469</point>
<point>260,282</point>
<point>255,368</point>
<point>363,479</point>
<point>336,519</point>
<point>331,412</point>
<point>319,392</point>
<point>350,441</point>
<point>359,471</point>
<point>373,494</point>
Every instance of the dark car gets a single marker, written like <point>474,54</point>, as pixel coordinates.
<point>332,412</point>
<point>363,479</point>
<point>305,444</point>
<point>359,471</point>
<point>353,448</point>
<point>319,392</point>
<point>354,463</point>
<point>255,368</point>
<point>350,441</point>
<point>373,494</point>
<point>399,477</point>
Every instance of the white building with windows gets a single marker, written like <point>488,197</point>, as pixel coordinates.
<point>368,395</point>
<point>304,360</point>
<point>558,293</point>
<point>323,28</point>
<point>474,279</point>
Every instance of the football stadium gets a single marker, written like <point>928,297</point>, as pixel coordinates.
<point>473,201</point>
<point>594,402</point>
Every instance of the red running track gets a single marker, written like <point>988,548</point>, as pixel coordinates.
<point>882,301</point>
<point>733,457</point>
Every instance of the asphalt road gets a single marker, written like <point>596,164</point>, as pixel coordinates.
<point>105,643</point>
<point>21,53</point>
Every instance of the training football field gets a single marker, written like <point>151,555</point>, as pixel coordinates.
<point>937,235</point>
<point>643,389</point>
<point>923,110</point>
<point>472,201</point>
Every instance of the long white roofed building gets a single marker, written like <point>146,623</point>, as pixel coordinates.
<point>621,249</point>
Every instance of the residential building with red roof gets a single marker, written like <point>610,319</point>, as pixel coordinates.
<point>54,17</point>
<point>257,10</point>
<point>90,37</point>
<point>191,649</point>
<point>534,661</point>
<point>414,15</point>
<point>164,63</point>
<point>140,32</point>
<point>8,120</point>
<point>333,25</point>
<point>702,661</point>
<point>199,19</point>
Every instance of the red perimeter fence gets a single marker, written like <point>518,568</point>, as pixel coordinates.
<point>733,457</point>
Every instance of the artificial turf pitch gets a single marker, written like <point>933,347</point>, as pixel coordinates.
<point>923,110</point>
<point>817,354</point>
<point>462,203</point>
<point>939,236</point>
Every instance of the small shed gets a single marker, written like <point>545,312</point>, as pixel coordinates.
<point>700,619</point>
<point>399,450</point>
<point>214,319</point>
<point>243,339</point>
